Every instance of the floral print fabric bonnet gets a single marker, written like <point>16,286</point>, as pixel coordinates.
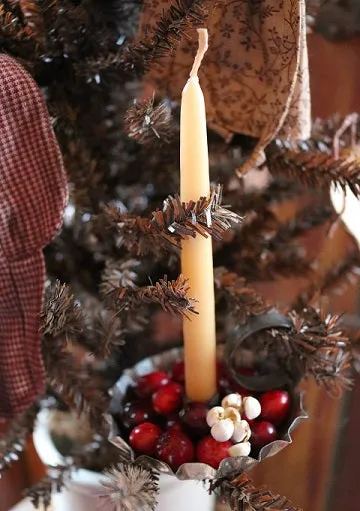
<point>255,75</point>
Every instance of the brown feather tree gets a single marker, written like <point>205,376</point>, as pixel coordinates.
<point>122,227</point>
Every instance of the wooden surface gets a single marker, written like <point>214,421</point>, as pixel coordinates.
<point>13,481</point>
<point>11,486</point>
<point>305,470</point>
<point>320,470</point>
<point>344,492</point>
<point>334,76</point>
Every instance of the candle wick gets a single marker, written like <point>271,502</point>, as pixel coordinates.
<point>203,46</point>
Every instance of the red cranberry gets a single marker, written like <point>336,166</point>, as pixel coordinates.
<point>212,452</point>
<point>194,419</point>
<point>175,448</point>
<point>167,399</point>
<point>136,412</point>
<point>173,422</point>
<point>250,422</point>
<point>144,437</point>
<point>147,384</point>
<point>262,433</point>
<point>275,406</point>
<point>178,372</point>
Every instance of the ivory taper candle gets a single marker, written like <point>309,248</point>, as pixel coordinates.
<point>196,257</point>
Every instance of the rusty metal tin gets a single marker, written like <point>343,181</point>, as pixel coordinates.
<point>276,377</point>
<point>195,471</point>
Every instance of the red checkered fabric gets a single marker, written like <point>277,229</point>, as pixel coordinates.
<point>33,195</point>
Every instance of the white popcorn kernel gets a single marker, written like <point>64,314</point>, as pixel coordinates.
<point>232,413</point>
<point>242,449</point>
<point>252,407</point>
<point>242,432</point>
<point>231,400</point>
<point>214,415</point>
<point>222,430</point>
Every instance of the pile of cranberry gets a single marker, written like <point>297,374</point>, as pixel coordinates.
<point>157,420</point>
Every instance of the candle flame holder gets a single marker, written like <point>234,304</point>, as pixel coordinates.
<point>240,343</point>
<point>194,471</point>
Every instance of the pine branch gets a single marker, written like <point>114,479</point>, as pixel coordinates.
<point>12,4</point>
<point>177,221</point>
<point>63,31</point>
<point>313,168</point>
<point>171,295</point>
<point>148,124</point>
<point>241,492</point>
<point>106,334</point>
<point>33,19</point>
<point>347,270</point>
<point>314,346</point>
<point>15,438</point>
<point>99,332</point>
<point>130,487</point>
<point>258,255</point>
<point>256,227</point>
<point>139,56</point>
<point>120,273</point>
<point>265,248</point>
<point>170,29</point>
<point>324,131</point>
<point>241,300</point>
<point>82,167</point>
<point>319,343</point>
<point>267,266</point>
<point>303,222</point>
<point>278,190</point>
<point>76,383</point>
<point>40,494</point>
<point>11,25</point>
<point>61,315</point>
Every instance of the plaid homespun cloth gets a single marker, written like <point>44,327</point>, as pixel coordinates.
<point>33,196</point>
<point>255,74</point>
